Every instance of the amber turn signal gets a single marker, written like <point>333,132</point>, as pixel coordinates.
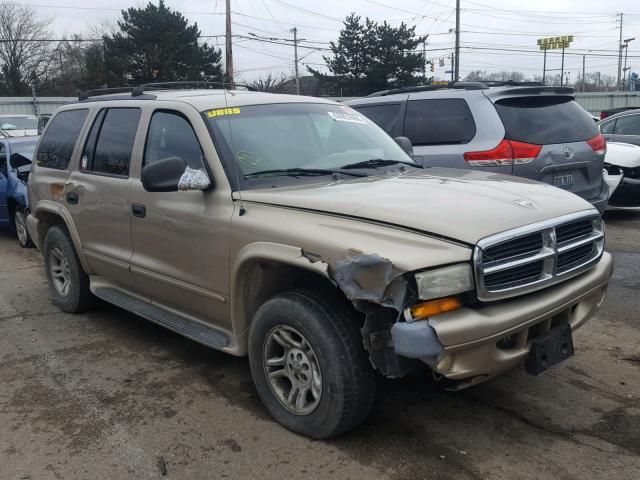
<point>434,307</point>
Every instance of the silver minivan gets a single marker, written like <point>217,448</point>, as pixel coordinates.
<point>529,130</point>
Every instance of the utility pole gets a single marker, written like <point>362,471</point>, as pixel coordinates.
<point>619,52</point>
<point>457,66</point>
<point>295,58</point>
<point>562,69</point>
<point>626,43</point>
<point>424,54</point>
<point>584,78</point>
<point>228,45</point>
<point>544,66</point>
<point>452,68</point>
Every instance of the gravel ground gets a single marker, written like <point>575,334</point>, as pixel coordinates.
<point>109,395</point>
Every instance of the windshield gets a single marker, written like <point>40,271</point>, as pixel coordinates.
<point>19,123</point>
<point>293,137</point>
<point>545,120</point>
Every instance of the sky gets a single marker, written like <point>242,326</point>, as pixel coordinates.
<point>490,30</point>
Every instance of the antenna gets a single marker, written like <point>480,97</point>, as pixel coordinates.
<point>242,210</point>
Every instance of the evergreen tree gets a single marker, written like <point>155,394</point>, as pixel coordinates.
<point>371,56</point>
<point>157,44</point>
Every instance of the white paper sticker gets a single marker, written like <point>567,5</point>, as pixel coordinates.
<point>347,117</point>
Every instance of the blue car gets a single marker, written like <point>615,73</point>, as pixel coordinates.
<point>16,155</point>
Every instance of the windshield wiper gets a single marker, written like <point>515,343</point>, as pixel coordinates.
<point>379,162</point>
<point>301,172</point>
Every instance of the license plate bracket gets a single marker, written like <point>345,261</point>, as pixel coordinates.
<point>549,350</point>
<point>563,181</point>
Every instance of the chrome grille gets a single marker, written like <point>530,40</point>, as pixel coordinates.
<point>536,256</point>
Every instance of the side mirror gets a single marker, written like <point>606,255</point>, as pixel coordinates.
<point>172,174</point>
<point>405,144</point>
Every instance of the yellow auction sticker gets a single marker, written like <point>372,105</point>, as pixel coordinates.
<point>223,111</point>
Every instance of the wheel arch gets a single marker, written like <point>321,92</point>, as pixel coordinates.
<point>50,214</point>
<point>262,270</point>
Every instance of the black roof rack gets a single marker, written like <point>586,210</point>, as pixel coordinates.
<point>511,83</point>
<point>94,92</point>
<point>431,87</point>
<point>139,90</point>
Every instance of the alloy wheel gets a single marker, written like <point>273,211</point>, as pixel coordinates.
<point>59,271</point>
<point>292,370</point>
<point>21,228</point>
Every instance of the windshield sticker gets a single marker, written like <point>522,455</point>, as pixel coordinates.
<point>347,117</point>
<point>223,111</point>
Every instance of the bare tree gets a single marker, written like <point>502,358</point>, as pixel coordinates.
<point>25,54</point>
<point>271,83</point>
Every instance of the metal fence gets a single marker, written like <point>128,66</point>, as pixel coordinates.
<point>26,105</point>
<point>593,102</point>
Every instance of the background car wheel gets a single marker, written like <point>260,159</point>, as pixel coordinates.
<point>20,224</point>
<point>308,363</point>
<point>68,282</point>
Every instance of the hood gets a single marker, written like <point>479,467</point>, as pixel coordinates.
<point>19,133</point>
<point>458,204</point>
<point>622,155</point>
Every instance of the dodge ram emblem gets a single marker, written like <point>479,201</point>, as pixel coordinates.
<point>524,203</point>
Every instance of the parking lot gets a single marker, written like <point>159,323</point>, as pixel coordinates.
<point>109,395</point>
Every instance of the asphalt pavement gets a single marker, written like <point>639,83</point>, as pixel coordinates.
<point>108,395</point>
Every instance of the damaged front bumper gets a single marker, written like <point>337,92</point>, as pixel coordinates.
<point>474,344</point>
<point>626,196</point>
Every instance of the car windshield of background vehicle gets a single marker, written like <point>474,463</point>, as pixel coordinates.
<point>545,120</point>
<point>19,123</point>
<point>298,136</point>
<point>22,155</point>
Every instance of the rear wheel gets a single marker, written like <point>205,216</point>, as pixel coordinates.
<point>20,223</point>
<point>68,282</point>
<point>308,364</point>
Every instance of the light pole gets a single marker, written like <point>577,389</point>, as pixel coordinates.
<point>627,41</point>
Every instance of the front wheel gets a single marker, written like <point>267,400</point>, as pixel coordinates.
<point>20,223</point>
<point>308,364</point>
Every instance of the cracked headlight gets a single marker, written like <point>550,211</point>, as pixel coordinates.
<point>443,282</point>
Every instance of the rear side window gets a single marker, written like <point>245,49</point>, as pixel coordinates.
<point>545,120</point>
<point>627,125</point>
<point>110,142</point>
<point>4,169</point>
<point>57,143</point>
<point>439,122</point>
<point>171,135</point>
<point>385,116</point>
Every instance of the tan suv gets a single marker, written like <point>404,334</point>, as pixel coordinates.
<point>295,231</point>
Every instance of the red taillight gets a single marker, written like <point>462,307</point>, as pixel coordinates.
<point>508,152</point>
<point>598,144</point>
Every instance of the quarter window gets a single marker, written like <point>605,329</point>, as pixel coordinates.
<point>171,135</point>
<point>439,122</point>
<point>608,127</point>
<point>58,141</point>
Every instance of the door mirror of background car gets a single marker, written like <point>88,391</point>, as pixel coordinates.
<point>405,144</point>
<point>173,174</point>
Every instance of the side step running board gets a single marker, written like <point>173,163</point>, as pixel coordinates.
<point>195,331</point>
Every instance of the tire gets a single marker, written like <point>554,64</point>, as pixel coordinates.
<point>68,282</point>
<point>20,224</point>
<point>318,324</point>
